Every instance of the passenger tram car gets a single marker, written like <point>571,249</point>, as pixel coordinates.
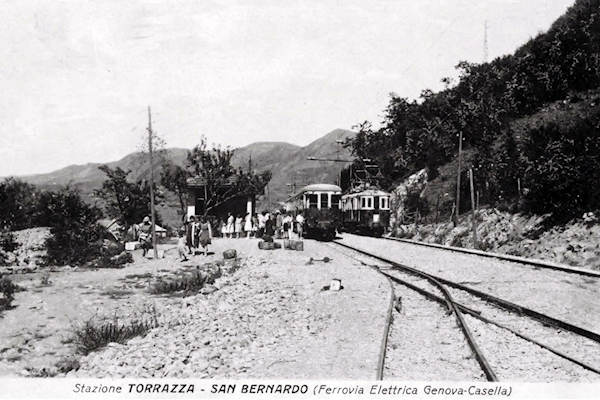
<point>320,207</point>
<point>366,212</point>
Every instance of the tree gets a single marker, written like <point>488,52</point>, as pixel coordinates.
<point>18,204</point>
<point>128,202</point>
<point>222,181</point>
<point>76,236</point>
<point>174,178</point>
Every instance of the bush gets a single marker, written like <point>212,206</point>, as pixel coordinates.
<point>93,335</point>
<point>8,244</point>
<point>76,237</point>
<point>8,289</point>
<point>561,164</point>
<point>189,283</point>
<point>19,204</point>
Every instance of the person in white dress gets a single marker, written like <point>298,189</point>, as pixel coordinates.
<point>230,225</point>
<point>248,225</point>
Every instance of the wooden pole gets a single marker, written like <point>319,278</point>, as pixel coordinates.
<point>474,223</point>
<point>152,185</point>
<point>458,179</point>
<point>437,209</point>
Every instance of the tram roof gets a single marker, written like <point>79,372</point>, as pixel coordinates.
<point>368,192</point>
<point>316,187</point>
<point>321,187</point>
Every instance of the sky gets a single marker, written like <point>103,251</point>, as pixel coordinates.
<point>77,77</point>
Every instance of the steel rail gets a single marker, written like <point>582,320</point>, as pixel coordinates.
<point>476,314</point>
<point>386,331</point>
<point>452,307</point>
<point>507,305</point>
<point>483,363</point>
<point>520,260</point>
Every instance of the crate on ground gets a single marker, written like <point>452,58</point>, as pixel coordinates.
<point>293,245</point>
<point>131,246</point>
<point>266,245</point>
<point>160,253</point>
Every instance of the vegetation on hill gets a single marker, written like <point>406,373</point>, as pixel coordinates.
<point>520,160</point>
<point>76,237</point>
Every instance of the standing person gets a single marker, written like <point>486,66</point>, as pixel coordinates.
<point>262,220</point>
<point>230,225</point>
<point>239,223</point>
<point>181,246</point>
<point>287,226</point>
<point>192,234</point>
<point>205,235</point>
<point>270,225</point>
<point>299,224</point>
<point>278,225</point>
<point>145,235</point>
<point>255,225</point>
<point>222,228</point>
<point>248,225</point>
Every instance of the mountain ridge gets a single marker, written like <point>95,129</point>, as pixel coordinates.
<point>288,163</point>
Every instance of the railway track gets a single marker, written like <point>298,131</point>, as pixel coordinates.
<point>520,260</point>
<point>508,341</point>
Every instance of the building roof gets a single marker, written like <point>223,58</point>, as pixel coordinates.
<point>199,181</point>
<point>110,224</point>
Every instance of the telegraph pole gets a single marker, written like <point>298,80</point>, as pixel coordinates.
<point>152,185</point>
<point>474,223</point>
<point>458,179</point>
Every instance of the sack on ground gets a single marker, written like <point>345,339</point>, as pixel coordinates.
<point>229,254</point>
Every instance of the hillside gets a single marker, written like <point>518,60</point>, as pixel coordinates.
<point>286,161</point>
<point>528,121</point>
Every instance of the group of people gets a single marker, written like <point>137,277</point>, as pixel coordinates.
<point>277,224</point>
<point>196,233</point>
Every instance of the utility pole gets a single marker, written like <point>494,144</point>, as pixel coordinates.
<point>150,134</point>
<point>458,179</point>
<point>474,223</point>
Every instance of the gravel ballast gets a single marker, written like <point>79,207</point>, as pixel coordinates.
<point>572,298</point>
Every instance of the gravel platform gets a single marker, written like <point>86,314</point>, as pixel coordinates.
<point>270,319</point>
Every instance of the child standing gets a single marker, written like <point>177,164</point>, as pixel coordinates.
<point>182,246</point>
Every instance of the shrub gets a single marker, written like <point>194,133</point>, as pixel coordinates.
<point>8,244</point>
<point>189,283</point>
<point>19,204</point>
<point>76,237</point>
<point>94,335</point>
<point>8,289</point>
<point>559,163</point>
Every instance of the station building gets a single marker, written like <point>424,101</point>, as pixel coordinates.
<point>237,205</point>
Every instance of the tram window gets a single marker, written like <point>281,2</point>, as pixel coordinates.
<point>376,202</point>
<point>363,202</point>
<point>384,203</point>
<point>313,201</point>
<point>324,201</point>
<point>335,201</point>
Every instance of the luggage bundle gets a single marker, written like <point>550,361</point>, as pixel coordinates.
<point>268,245</point>
<point>297,245</point>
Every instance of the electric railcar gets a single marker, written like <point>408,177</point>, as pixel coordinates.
<point>366,212</point>
<point>320,207</point>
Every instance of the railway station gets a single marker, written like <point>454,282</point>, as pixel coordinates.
<point>365,199</point>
